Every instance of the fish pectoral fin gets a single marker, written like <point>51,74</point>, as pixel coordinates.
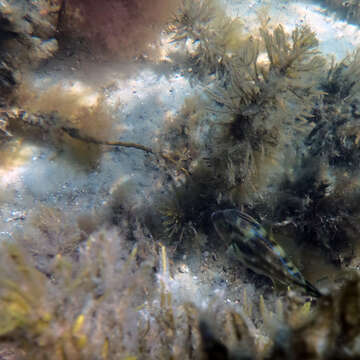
<point>234,252</point>
<point>312,290</point>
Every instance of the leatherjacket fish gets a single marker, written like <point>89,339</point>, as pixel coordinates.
<point>258,250</point>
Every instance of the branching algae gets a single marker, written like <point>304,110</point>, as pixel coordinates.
<point>320,198</point>
<point>212,33</point>
<point>265,102</point>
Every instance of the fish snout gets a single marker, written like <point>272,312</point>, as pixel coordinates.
<point>218,222</point>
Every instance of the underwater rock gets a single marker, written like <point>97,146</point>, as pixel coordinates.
<point>117,27</point>
<point>27,31</point>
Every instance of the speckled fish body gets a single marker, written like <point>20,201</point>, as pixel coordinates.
<point>257,250</point>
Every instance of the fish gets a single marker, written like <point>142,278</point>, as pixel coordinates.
<point>258,250</point>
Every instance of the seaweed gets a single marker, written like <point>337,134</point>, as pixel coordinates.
<point>316,199</point>
<point>258,110</point>
<point>185,208</point>
<point>341,82</point>
<point>107,303</point>
<point>330,331</point>
<point>48,233</point>
<point>318,206</point>
<point>213,35</point>
<point>40,116</point>
<point>70,315</point>
<point>336,133</point>
<point>265,105</point>
<point>74,119</point>
<point>254,87</point>
<point>180,139</point>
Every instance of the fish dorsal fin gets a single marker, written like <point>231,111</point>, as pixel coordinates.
<point>249,219</point>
